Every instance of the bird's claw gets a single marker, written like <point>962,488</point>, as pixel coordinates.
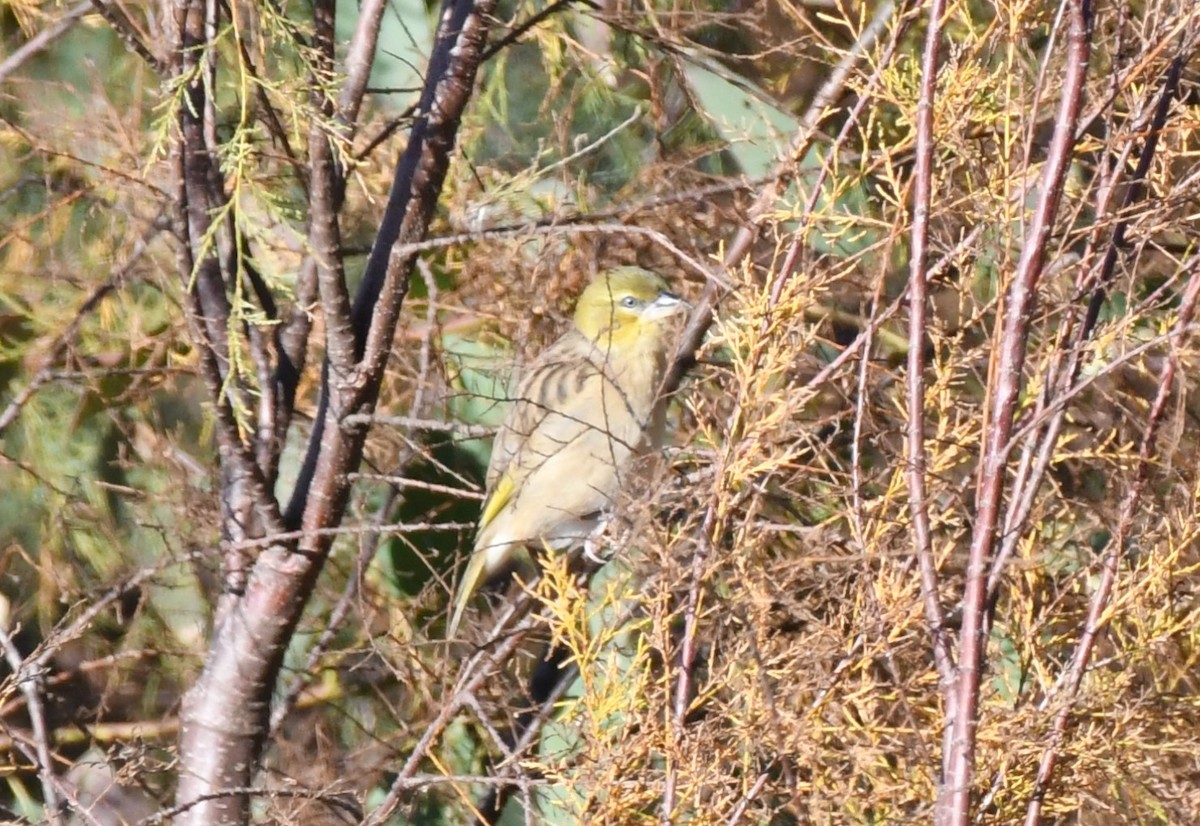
<point>593,551</point>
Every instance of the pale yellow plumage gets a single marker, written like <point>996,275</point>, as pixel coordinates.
<point>585,408</point>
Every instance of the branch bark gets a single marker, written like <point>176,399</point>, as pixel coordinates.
<point>959,759</point>
<point>918,301</point>
<point>225,715</point>
<point>1098,605</point>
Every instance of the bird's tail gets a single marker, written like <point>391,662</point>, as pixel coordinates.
<point>494,557</point>
<point>466,588</point>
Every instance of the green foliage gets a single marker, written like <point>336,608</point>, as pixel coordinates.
<point>478,371</point>
<point>755,128</point>
<point>412,559</point>
<point>783,504</point>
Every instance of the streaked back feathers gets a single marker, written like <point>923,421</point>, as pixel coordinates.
<point>584,408</point>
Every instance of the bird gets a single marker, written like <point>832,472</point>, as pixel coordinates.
<point>587,407</point>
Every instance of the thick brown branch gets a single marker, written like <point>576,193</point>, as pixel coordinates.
<point>292,339</point>
<point>225,715</point>
<point>199,197</point>
<point>334,448</point>
<point>324,228</point>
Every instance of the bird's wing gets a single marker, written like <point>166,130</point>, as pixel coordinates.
<point>546,384</point>
<point>556,462</point>
<point>498,496</point>
<point>571,449</point>
<point>477,565</point>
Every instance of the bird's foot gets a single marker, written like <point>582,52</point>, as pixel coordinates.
<point>594,548</point>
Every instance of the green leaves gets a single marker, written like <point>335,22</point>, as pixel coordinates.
<point>757,131</point>
<point>478,369</point>
<point>755,128</point>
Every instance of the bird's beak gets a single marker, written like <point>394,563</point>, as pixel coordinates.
<point>665,306</point>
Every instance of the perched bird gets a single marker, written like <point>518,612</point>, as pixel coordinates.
<point>585,409</point>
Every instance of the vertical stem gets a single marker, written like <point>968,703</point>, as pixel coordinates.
<point>225,715</point>
<point>918,302</point>
<point>959,765</point>
<point>28,678</point>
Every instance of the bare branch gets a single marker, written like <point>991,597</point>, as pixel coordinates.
<point>324,228</point>
<point>128,34</point>
<point>959,760</point>
<point>43,39</point>
<point>510,629</point>
<point>29,680</point>
<point>918,302</point>
<point>225,716</point>
<point>360,57</point>
<point>514,34</point>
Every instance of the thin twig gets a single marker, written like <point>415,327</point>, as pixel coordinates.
<point>347,530</point>
<point>27,674</point>
<point>43,39</point>
<point>687,658</point>
<point>884,14</point>
<point>129,35</point>
<point>568,229</point>
<point>457,429</point>
<point>514,34</point>
<point>343,803</point>
<point>1098,603</point>
<point>751,793</point>
<point>509,631</point>
<point>959,758</point>
<point>918,302</point>
<point>419,484</point>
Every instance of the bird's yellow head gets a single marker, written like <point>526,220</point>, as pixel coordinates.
<point>624,304</point>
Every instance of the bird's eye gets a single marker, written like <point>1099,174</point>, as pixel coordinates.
<point>629,302</point>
